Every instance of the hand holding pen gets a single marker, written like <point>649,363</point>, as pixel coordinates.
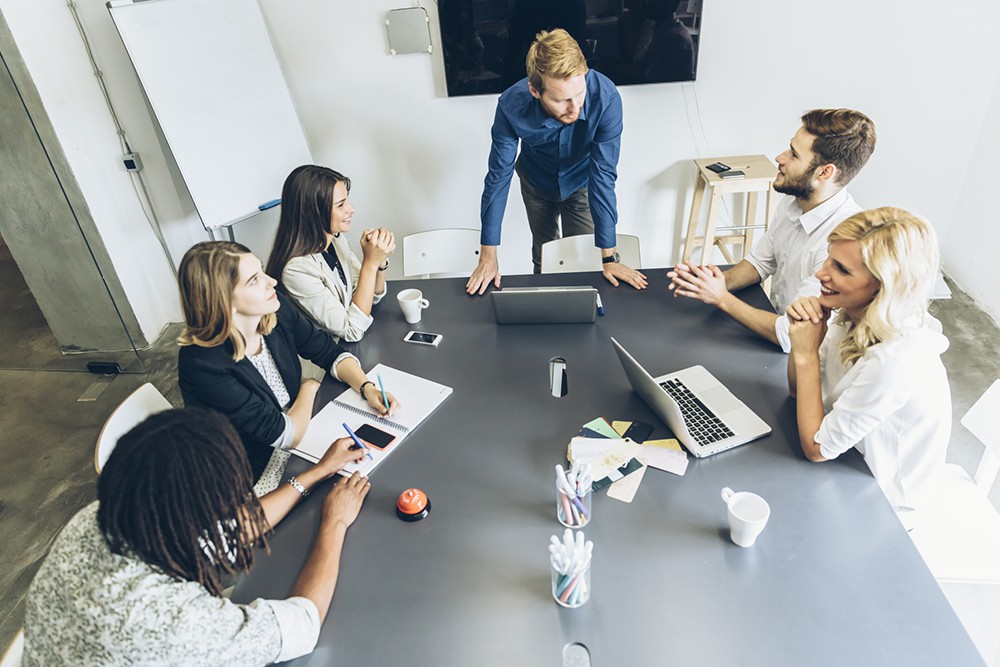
<point>382,401</point>
<point>340,452</point>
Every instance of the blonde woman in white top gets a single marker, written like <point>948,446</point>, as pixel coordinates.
<point>873,378</point>
<point>312,260</point>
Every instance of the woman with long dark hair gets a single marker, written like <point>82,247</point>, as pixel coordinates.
<point>312,260</point>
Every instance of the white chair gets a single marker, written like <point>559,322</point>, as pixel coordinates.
<point>578,253</point>
<point>15,652</point>
<point>959,538</point>
<point>141,403</point>
<point>983,421</point>
<point>446,251</point>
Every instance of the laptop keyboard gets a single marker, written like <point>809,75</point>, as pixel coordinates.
<point>701,422</point>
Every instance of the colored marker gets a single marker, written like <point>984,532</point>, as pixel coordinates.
<point>357,441</point>
<point>268,204</point>
<point>600,306</point>
<point>385,399</point>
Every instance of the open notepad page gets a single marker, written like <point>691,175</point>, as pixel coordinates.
<point>417,398</point>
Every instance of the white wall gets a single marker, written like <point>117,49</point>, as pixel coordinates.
<point>417,158</point>
<point>973,240</point>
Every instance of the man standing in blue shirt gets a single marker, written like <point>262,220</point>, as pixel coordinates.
<point>568,120</point>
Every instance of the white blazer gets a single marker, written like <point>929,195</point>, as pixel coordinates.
<point>320,292</point>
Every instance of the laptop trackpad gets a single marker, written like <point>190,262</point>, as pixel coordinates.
<point>721,400</point>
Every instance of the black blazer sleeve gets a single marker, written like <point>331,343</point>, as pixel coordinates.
<point>209,378</point>
<point>303,338</point>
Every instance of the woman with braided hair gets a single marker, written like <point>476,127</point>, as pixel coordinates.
<point>135,578</point>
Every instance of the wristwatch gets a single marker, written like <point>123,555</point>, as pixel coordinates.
<point>297,485</point>
<point>616,258</point>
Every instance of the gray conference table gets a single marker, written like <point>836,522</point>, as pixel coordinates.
<point>833,580</point>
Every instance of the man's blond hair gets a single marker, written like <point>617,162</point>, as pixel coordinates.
<point>556,55</point>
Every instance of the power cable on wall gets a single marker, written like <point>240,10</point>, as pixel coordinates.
<point>702,150</point>
<point>134,176</point>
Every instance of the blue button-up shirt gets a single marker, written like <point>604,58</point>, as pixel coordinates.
<point>557,158</point>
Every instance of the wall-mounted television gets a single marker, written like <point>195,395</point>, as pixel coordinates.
<point>630,41</point>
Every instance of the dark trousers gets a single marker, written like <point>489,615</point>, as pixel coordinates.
<point>544,214</point>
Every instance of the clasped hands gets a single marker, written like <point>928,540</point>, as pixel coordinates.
<point>377,244</point>
<point>808,325</point>
<point>706,283</point>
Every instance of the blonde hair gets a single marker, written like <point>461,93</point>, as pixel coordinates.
<point>556,55</point>
<point>901,251</point>
<point>207,277</point>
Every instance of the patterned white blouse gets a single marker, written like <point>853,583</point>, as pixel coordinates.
<point>89,606</point>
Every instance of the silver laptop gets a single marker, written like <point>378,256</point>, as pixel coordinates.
<point>544,305</point>
<point>705,416</point>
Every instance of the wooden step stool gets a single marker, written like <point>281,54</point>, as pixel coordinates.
<point>760,174</point>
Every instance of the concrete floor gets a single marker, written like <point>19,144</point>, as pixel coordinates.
<point>48,436</point>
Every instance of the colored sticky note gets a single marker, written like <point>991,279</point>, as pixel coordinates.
<point>625,488</point>
<point>667,443</point>
<point>663,458</point>
<point>620,427</point>
<point>601,425</point>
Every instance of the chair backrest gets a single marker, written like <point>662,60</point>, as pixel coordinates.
<point>983,420</point>
<point>441,251</point>
<point>141,403</point>
<point>578,253</point>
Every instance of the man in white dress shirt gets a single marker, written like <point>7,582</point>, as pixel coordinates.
<point>828,150</point>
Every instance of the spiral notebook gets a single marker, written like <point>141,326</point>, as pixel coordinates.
<point>417,397</point>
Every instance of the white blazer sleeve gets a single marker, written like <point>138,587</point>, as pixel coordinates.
<point>309,281</point>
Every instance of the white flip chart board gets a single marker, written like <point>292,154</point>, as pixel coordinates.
<point>214,83</point>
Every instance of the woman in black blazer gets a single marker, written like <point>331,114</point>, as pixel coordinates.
<point>240,353</point>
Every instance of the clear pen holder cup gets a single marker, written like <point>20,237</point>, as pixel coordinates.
<point>571,589</point>
<point>573,509</point>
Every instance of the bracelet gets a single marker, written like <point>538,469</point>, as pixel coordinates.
<point>361,389</point>
<point>385,266</point>
<point>298,486</point>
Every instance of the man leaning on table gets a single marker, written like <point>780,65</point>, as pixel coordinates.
<point>568,121</point>
<point>828,150</point>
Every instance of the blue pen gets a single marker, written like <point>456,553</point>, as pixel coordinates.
<point>600,306</point>
<point>385,400</point>
<point>268,204</point>
<point>356,440</point>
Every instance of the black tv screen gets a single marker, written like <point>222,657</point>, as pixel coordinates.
<point>629,41</point>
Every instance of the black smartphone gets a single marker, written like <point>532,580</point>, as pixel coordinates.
<point>718,167</point>
<point>638,432</point>
<point>375,437</point>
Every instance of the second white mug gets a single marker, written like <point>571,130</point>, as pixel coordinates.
<point>748,514</point>
<point>411,302</point>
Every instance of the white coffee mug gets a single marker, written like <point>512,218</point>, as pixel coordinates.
<point>411,302</point>
<point>748,514</point>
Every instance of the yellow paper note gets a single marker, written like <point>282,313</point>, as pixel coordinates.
<point>620,427</point>
<point>625,488</point>
<point>667,443</point>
